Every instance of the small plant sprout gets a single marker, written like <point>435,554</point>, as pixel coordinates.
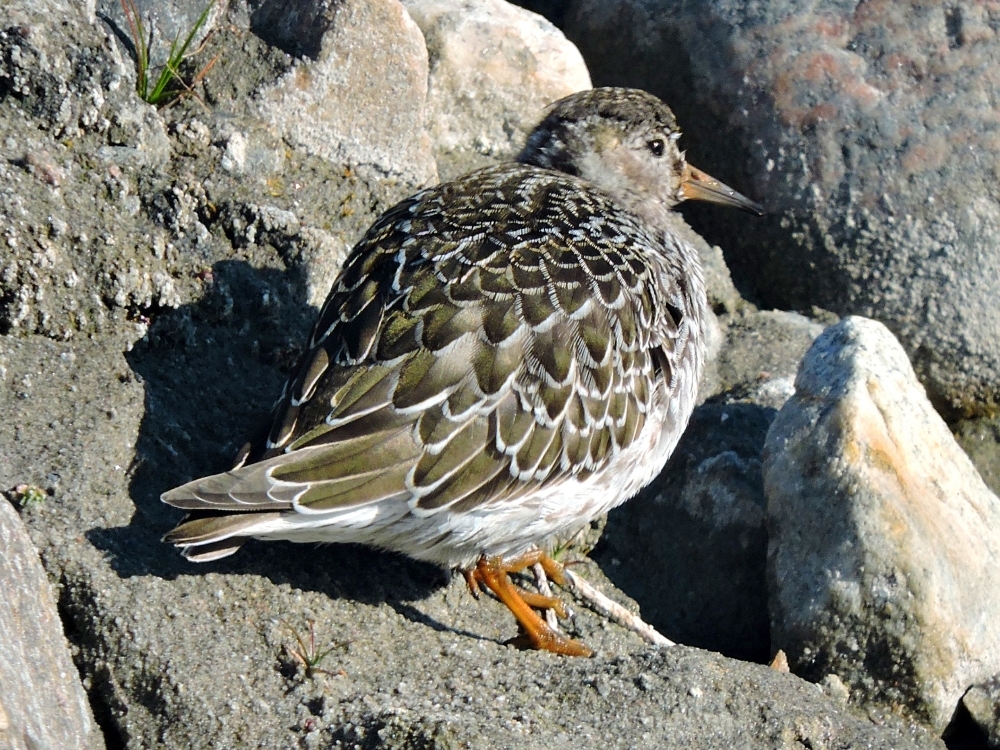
<point>169,85</point>
<point>307,654</point>
<point>28,495</point>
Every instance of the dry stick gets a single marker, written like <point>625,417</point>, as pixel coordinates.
<point>542,581</point>
<point>615,611</point>
<point>189,89</point>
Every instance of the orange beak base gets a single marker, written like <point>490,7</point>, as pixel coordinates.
<point>698,186</point>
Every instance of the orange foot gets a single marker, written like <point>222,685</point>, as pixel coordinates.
<point>492,572</point>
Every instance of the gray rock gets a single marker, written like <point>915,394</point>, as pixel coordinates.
<point>360,95</point>
<point>762,353</point>
<point>54,65</point>
<point>982,701</point>
<point>192,278</point>
<point>868,133</point>
<point>980,439</point>
<point>164,23</point>
<point>137,136</point>
<point>42,702</point>
<point>692,547</point>
<point>112,209</point>
<point>884,550</point>
<point>494,68</point>
<point>318,253</point>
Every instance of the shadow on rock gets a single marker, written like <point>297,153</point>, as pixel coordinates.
<point>211,372</point>
<point>691,548</point>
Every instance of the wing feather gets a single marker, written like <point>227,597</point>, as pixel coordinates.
<point>460,361</point>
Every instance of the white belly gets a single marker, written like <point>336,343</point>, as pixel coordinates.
<point>503,527</point>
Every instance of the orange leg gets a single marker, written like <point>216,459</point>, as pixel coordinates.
<point>491,572</point>
<point>552,569</point>
<point>540,601</point>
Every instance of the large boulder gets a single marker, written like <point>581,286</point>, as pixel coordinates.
<point>357,92</point>
<point>42,702</point>
<point>494,68</point>
<point>884,547</point>
<point>867,130</point>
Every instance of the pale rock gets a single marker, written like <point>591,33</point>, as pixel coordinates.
<point>833,686</point>
<point>494,68</point>
<point>358,96</point>
<point>884,546</point>
<point>42,703</point>
<point>322,255</point>
<point>234,158</point>
<point>138,137</point>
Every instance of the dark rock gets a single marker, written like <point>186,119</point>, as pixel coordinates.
<point>691,548</point>
<point>980,439</point>
<point>866,130</point>
<point>982,701</point>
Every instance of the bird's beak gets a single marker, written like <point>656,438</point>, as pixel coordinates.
<point>698,186</point>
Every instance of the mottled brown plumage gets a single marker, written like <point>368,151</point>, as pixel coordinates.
<point>503,357</point>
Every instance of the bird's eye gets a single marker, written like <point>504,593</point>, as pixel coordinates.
<point>655,147</point>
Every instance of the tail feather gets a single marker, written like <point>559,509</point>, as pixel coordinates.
<point>216,551</point>
<point>209,536</point>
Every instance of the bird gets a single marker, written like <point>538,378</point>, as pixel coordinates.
<point>502,359</point>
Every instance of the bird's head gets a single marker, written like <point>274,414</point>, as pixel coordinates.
<point>625,142</point>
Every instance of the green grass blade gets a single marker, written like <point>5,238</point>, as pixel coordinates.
<point>138,31</point>
<point>171,70</point>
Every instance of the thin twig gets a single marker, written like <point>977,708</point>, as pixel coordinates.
<point>615,611</point>
<point>542,582</point>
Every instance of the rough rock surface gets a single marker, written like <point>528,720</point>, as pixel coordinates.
<point>359,93</point>
<point>982,701</point>
<point>884,546</point>
<point>869,132</point>
<point>692,547</point>
<point>980,438</point>
<point>762,355</point>
<point>194,656</point>
<point>494,68</point>
<point>42,703</point>
<point>155,278</point>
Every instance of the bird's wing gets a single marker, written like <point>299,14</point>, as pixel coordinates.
<point>484,340</point>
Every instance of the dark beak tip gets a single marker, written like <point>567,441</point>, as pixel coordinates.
<point>697,185</point>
